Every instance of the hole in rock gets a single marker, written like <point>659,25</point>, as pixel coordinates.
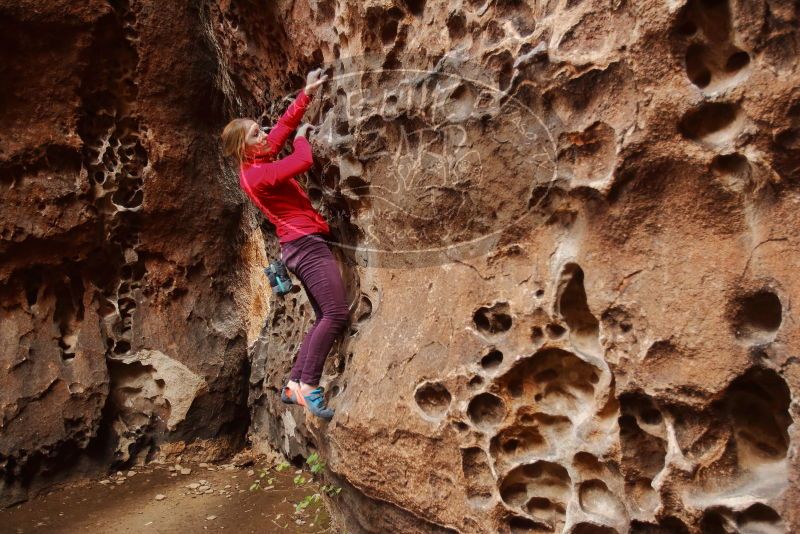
<point>713,17</point>
<point>686,28</point>
<point>416,7</point>
<point>587,464</point>
<point>523,525</point>
<point>545,509</point>
<point>713,522</point>
<point>515,494</point>
<point>644,410</point>
<point>589,528</point>
<point>538,503</point>
<point>475,382</point>
<point>737,61</point>
<point>492,360</point>
<point>493,319</point>
<point>707,66</point>
<point>668,525</point>
<point>461,426</point>
<point>494,32</point>
<point>789,138</point>
<point>641,494</point>
<point>326,11</point>
<point>315,194</point>
<point>709,121</point>
<point>32,281</point>
<point>573,307</point>
<point>651,417</point>
<point>537,336</point>
<point>539,293</point>
<point>587,155</point>
<point>545,484</point>
<point>555,331</point>
<point>643,454</point>
<point>760,518</point>
<point>696,68</point>
<point>506,71</point>
<point>523,20</point>
<point>547,375</point>
<point>456,25</point>
<point>460,106</point>
<point>595,498</point>
<point>517,442</point>
<point>515,387</point>
<point>486,410</point>
<point>364,308</point>
<point>758,316</point>
<point>757,404</point>
<point>433,399</point>
<point>732,169</point>
<point>389,31</point>
<point>557,380</point>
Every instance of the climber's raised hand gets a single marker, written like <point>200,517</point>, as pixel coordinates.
<point>303,130</point>
<point>314,79</point>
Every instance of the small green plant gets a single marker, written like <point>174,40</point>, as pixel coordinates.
<point>316,463</point>
<point>306,502</point>
<point>284,465</point>
<point>262,475</point>
<point>330,490</point>
<point>317,467</point>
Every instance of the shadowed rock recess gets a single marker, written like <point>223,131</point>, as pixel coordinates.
<point>569,236</point>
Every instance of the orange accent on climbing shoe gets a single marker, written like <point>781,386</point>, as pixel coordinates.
<point>297,396</point>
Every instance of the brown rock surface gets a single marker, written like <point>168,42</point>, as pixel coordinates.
<point>126,297</point>
<point>568,231</point>
<point>587,328</point>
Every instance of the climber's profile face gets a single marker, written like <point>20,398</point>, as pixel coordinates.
<point>255,135</point>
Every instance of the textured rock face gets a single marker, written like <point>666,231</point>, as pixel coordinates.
<point>126,297</point>
<point>568,231</point>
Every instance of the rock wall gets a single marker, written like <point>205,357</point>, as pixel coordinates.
<point>129,282</point>
<point>568,232</point>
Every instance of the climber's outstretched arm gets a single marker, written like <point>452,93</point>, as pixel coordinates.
<point>288,122</point>
<point>277,172</point>
<point>294,113</point>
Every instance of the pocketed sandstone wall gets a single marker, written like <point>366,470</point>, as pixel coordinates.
<point>130,285</point>
<point>568,231</point>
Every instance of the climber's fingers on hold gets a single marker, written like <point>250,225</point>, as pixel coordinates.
<point>313,76</point>
<point>319,81</point>
<point>302,131</point>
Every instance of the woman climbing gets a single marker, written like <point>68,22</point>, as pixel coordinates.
<point>302,233</point>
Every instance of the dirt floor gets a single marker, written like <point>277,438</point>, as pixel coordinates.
<point>166,499</point>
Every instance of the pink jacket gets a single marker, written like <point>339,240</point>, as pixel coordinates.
<point>270,185</point>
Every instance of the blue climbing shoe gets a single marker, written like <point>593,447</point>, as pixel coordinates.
<point>289,395</point>
<point>315,402</point>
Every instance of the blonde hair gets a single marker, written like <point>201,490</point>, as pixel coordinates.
<point>233,137</point>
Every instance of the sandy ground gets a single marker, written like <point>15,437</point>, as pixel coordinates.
<point>128,504</point>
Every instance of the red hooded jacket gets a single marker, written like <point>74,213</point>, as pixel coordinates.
<point>270,184</point>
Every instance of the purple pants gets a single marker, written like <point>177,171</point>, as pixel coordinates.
<point>310,259</point>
